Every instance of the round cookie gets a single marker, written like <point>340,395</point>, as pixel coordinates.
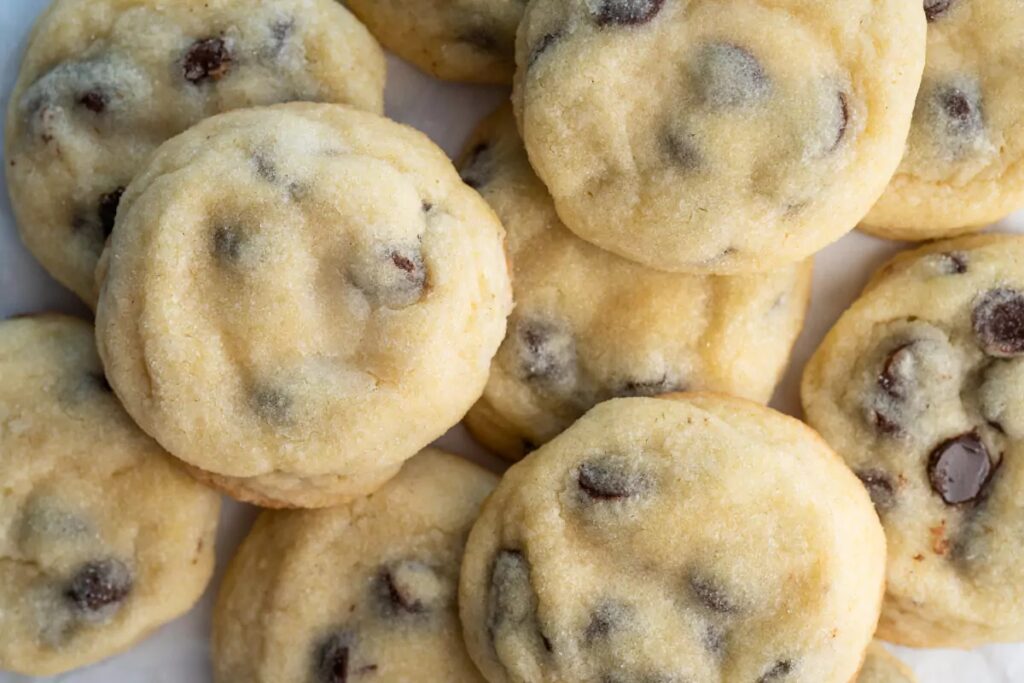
<point>920,387</point>
<point>299,298</point>
<point>964,163</point>
<point>761,133</point>
<point>459,40</point>
<point>366,590</point>
<point>882,667</point>
<point>103,538</point>
<point>589,325</point>
<point>693,538</point>
<point>104,82</point>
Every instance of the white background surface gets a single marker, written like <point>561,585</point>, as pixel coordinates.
<point>446,112</point>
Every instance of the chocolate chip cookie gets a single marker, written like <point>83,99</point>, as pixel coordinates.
<point>964,163</point>
<point>459,40</point>
<point>103,538</point>
<point>920,387</point>
<point>882,667</point>
<point>589,325</point>
<point>365,591</point>
<point>713,136</point>
<point>685,539</point>
<point>301,298</point>
<point>104,82</point>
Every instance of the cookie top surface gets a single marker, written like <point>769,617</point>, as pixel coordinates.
<point>763,130</point>
<point>366,589</point>
<point>589,325</point>
<point>104,82</point>
<point>102,536</point>
<point>300,298</point>
<point>882,667</point>
<point>698,538</point>
<point>964,163</point>
<point>920,387</point>
<point>460,40</point>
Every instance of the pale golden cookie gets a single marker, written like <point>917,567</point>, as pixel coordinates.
<point>361,592</point>
<point>299,298</point>
<point>104,82</point>
<point>697,538</point>
<point>589,325</point>
<point>103,537</point>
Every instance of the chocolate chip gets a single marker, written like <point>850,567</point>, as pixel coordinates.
<point>476,170</point>
<point>603,620</point>
<point>998,321</point>
<point>407,587</point>
<point>843,118</point>
<point>959,467</point>
<point>542,45</point>
<point>682,150</point>
<point>714,639</point>
<point>427,206</point>
<point>880,488</point>
<point>610,479</point>
<point>711,594</point>
<point>933,9</point>
<point>958,112</point>
<point>332,659</point>
<point>653,387</point>
<point>394,277</point>
<point>94,100</point>
<point>885,424</point>
<point>264,166</point>
<point>547,351</point>
<point>626,12</point>
<point>953,262</point>
<point>777,672</point>
<point>272,405</point>
<point>512,602</point>
<point>107,209</point>
<point>208,59</point>
<point>227,243</point>
<point>97,589</point>
<point>729,76</point>
<point>896,371</point>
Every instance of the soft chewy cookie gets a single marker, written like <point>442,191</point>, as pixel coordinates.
<point>716,135</point>
<point>365,591</point>
<point>299,298</point>
<point>461,40</point>
<point>920,386</point>
<point>103,538</point>
<point>964,163</point>
<point>589,325</point>
<point>103,82</point>
<point>691,539</point>
<point>882,667</point>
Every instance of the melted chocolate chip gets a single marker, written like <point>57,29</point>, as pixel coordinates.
<point>476,170</point>
<point>998,321</point>
<point>777,672</point>
<point>98,588</point>
<point>94,100</point>
<point>107,209</point>
<point>886,425</point>
<point>542,45</point>
<point>959,468</point>
<point>953,262</point>
<point>729,76</point>
<point>880,488</point>
<point>603,621</point>
<point>512,602</point>
<point>682,151</point>
<point>893,377</point>
<point>627,12</point>
<point>207,60</point>
<point>959,112</point>
<point>607,479</point>
<point>394,277</point>
<point>333,659</point>
<point>547,352</point>
<point>844,120</point>
<point>933,9</point>
<point>227,243</point>
<point>407,587</point>
<point>272,405</point>
<point>711,594</point>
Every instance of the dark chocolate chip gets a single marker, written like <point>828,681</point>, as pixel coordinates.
<point>407,587</point>
<point>333,658</point>
<point>542,46</point>
<point>394,277</point>
<point>998,321</point>
<point>682,150</point>
<point>843,119</point>
<point>626,12</point>
<point>227,243</point>
<point>959,112</point>
<point>953,262</point>
<point>933,9</point>
<point>98,588</point>
<point>512,602</point>
<point>476,170</point>
<point>893,379</point>
<point>94,100</point>
<point>730,76</point>
<point>264,166</point>
<point>547,351</point>
<point>107,209</point>
<point>608,479</point>
<point>272,405</point>
<point>959,468</point>
<point>880,488</point>
<point>427,206</point>
<point>711,594</point>
<point>886,425</point>
<point>208,59</point>
<point>778,671</point>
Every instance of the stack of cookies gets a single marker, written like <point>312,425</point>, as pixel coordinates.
<point>295,296</point>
